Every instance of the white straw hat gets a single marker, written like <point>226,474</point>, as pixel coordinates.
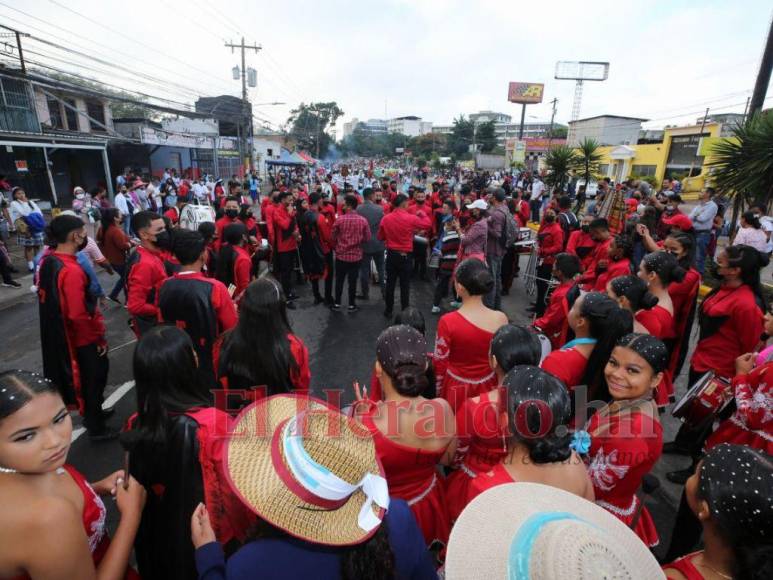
<point>529,531</point>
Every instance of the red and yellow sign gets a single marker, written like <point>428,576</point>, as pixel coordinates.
<point>525,93</point>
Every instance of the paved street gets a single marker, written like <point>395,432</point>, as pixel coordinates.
<point>341,348</point>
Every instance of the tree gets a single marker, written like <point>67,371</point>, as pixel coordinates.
<point>560,161</point>
<point>428,144</point>
<point>308,124</point>
<point>557,133</point>
<point>743,165</point>
<point>588,159</point>
<point>460,139</point>
<point>486,137</point>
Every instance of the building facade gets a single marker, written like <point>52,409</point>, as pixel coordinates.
<point>410,126</point>
<point>605,130</point>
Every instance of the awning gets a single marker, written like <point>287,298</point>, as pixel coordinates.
<point>287,158</point>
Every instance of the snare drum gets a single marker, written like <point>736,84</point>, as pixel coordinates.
<point>192,216</point>
<point>707,398</point>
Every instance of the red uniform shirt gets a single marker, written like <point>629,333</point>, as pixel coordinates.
<point>284,229</point>
<point>580,244</point>
<point>416,208</point>
<point>614,269</point>
<point>601,252</point>
<point>350,231</point>
<point>551,241</point>
<point>173,214</point>
<point>242,270</point>
<point>82,327</point>
<point>398,228</point>
<point>554,323</point>
<point>221,225</point>
<point>143,281</point>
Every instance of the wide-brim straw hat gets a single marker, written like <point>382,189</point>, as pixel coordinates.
<point>529,531</point>
<point>259,473</point>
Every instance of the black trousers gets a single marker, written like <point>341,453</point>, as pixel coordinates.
<point>420,259</point>
<point>329,279</point>
<point>398,267</point>
<point>441,286</point>
<point>544,272</point>
<point>93,372</point>
<point>347,271</point>
<point>286,262</point>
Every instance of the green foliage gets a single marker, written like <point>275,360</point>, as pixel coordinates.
<point>587,159</point>
<point>745,165</point>
<point>366,144</point>
<point>486,137</point>
<point>428,144</point>
<point>460,139</point>
<point>308,124</point>
<point>560,161</point>
<point>558,133</point>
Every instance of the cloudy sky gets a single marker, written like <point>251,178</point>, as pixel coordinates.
<point>669,60</point>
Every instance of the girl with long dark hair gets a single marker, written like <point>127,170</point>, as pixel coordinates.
<point>233,262</point>
<point>175,446</point>
<point>631,294</point>
<point>626,438</point>
<point>53,520</point>
<point>480,431</point>
<point>598,323</point>
<point>730,494</point>
<point>618,262</point>
<point>261,353</point>
<point>115,245</point>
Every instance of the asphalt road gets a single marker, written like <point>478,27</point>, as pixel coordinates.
<point>341,348</point>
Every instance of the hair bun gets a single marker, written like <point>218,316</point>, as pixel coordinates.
<point>648,301</point>
<point>410,379</point>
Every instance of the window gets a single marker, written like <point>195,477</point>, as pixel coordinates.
<point>17,112</point>
<point>55,113</point>
<point>270,152</point>
<point>603,170</point>
<point>71,115</point>
<point>96,111</point>
<point>644,170</point>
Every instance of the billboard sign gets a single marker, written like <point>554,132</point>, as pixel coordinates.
<point>582,70</point>
<point>525,93</point>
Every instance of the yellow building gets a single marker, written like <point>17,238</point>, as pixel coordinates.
<point>683,152</point>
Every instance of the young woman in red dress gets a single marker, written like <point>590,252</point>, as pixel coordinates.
<point>413,435</point>
<point>480,429</point>
<point>626,435</point>
<point>730,494</point>
<point>555,323</point>
<point>684,296</point>
<point>53,522</point>
<point>752,422</point>
<point>617,264</point>
<point>598,323</point>
<point>540,447</point>
<point>234,265</point>
<point>631,293</point>
<point>261,355</point>
<point>658,270</point>
<point>463,337</point>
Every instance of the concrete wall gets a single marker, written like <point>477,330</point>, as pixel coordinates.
<point>605,130</point>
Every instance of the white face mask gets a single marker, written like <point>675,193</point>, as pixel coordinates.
<point>80,196</point>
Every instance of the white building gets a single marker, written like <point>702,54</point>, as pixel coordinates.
<point>409,126</point>
<point>372,126</point>
<point>606,130</point>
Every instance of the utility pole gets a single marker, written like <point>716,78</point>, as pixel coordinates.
<point>552,118</point>
<point>763,76</point>
<point>246,130</point>
<point>697,146</point>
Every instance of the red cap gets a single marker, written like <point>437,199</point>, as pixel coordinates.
<point>632,202</point>
<point>680,221</point>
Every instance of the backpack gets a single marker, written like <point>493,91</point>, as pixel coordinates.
<point>510,233</point>
<point>570,222</point>
<point>35,222</point>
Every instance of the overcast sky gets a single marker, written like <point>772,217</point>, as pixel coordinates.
<point>669,60</point>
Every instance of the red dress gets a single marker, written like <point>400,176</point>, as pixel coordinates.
<point>659,322</point>
<point>94,514</point>
<point>495,476</point>
<point>683,296</point>
<point>412,475</point>
<point>566,364</point>
<point>752,422</point>
<point>624,448</point>
<point>461,359</point>
<point>482,443</point>
<point>686,567</point>
<point>555,322</point>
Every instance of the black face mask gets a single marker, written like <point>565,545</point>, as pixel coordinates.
<point>163,240</point>
<point>549,219</point>
<point>585,228</point>
<point>83,244</point>
<point>232,213</point>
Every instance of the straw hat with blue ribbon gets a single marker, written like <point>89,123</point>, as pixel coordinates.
<point>530,531</point>
<point>307,469</point>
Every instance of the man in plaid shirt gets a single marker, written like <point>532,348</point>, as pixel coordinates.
<point>350,231</point>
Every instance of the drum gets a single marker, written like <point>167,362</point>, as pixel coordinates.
<point>706,398</point>
<point>546,346</point>
<point>192,215</point>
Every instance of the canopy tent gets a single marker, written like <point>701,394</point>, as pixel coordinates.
<point>287,158</point>
<point>307,158</point>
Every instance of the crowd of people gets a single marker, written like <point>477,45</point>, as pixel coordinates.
<point>500,448</point>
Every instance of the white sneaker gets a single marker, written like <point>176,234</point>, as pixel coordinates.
<point>436,310</point>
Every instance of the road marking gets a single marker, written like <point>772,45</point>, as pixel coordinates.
<point>115,396</point>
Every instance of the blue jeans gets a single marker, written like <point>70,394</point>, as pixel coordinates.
<point>494,298</point>
<point>702,241</point>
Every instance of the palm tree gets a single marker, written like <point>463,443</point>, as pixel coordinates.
<point>588,159</point>
<point>742,167</point>
<point>560,161</point>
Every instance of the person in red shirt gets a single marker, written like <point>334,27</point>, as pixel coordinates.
<point>234,266</point>
<point>286,234</point>
<point>231,217</point>
<point>550,241</point>
<point>378,199</point>
<point>350,231</point>
<point>173,213</point>
<point>72,329</point>
<point>396,231</point>
<point>418,205</point>
<point>582,244</point>
<point>555,323</point>
<point>317,249</point>
<point>201,306</point>
<point>618,263</point>
<point>145,270</point>
<point>730,321</point>
<point>599,233</point>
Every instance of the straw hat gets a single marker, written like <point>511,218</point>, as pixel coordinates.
<point>307,469</point>
<point>529,531</point>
